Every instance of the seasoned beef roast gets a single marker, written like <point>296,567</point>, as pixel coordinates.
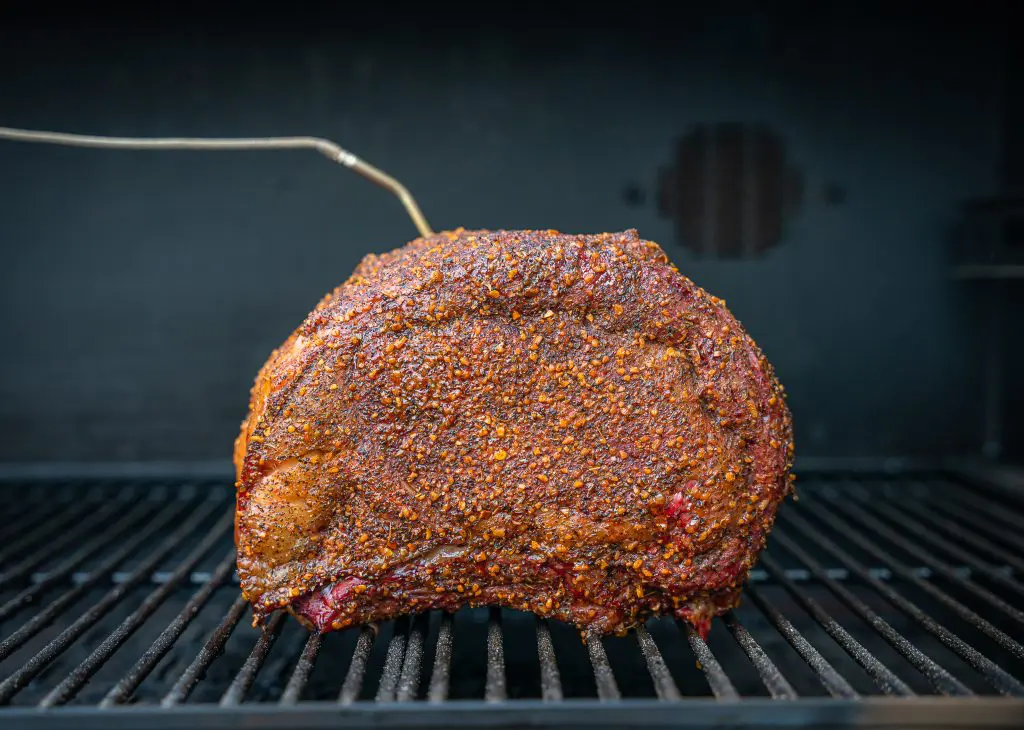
<point>556,423</point>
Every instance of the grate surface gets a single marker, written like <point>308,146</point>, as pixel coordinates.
<point>121,595</point>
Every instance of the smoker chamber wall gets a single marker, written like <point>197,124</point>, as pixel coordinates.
<point>144,290</point>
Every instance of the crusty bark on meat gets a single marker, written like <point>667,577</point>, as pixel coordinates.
<point>556,423</point>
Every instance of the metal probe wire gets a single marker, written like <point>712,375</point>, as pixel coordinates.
<point>325,147</point>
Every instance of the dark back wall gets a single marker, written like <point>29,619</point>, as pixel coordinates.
<point>142,290</point>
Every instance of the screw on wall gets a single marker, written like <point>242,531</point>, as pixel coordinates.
<point>633,195</point>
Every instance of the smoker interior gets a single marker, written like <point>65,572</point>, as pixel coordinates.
<point>881,598</point>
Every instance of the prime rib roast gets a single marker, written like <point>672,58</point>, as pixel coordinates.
<point>562,424</point>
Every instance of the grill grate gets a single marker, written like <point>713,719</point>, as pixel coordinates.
<point>882,599</point>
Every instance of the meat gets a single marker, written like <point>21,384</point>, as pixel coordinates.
<point>555,423</point>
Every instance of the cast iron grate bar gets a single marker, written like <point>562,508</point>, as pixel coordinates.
<point>832,680</point>
<point>970,535</point>
<point>353,683</point>
<point>931,536</point>
<point>721,686</point>
<point>777,685</point>
<point>1003,681</point>
<point>57,607</point>
<point>998,524</point>
<point>122,691</point>
<point>607,688</point>
<point>393,661</point>
<point>884,678</point>
<point>17,681</point>
<point>20,523</point>
<point>664,685</point>
<point>943,568</point>
<point>494,688</point>
<point>440,677</point>
<point>57,542</point>
<point>212,649</point>
<point>942,680</point>
<point>995,674</point>
<point>90,548</point>
<point>74,681</point>
<point>973,500</point>
<point>303,668</point>
<point>409,680</point>
<point>550,681</point>
<point>45,532</point>
<point>235,693</point>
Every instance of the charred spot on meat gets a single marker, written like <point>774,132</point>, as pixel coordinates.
<point>562,424</point>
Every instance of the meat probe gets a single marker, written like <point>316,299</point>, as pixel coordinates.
<point>328,149</point>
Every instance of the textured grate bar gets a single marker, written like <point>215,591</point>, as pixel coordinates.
<point>980,499</point>
<point>718,680</point>
<point>74,681</point>
<point>54,609</point>
<point>44,532</point>
<point>303,668</point>
<point>607,688</point>
<point>970,536</point>
<point>929,536</point>
<point>494,689</point>
<point>881,674</point>
<point>353,683</point>
<point>56,544</point>
<point>942,680</point>
<point>393,662</point>
<point>945,569</point>
<point>989,516</point>
<point>17,681</point>
<point>833,681</point>
<point>550,681</point>
<point>409,680</point>
<point>21,522</point>
<point>60,573</point>
<point>664,685</point>
<point>122,691</point>
<point>247,674</point>
<point>210,651</point>
<point>777,685</point>
<point>440,677</point>
<point>996,675</point>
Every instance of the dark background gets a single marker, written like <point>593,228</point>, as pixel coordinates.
<point>141,291</point>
